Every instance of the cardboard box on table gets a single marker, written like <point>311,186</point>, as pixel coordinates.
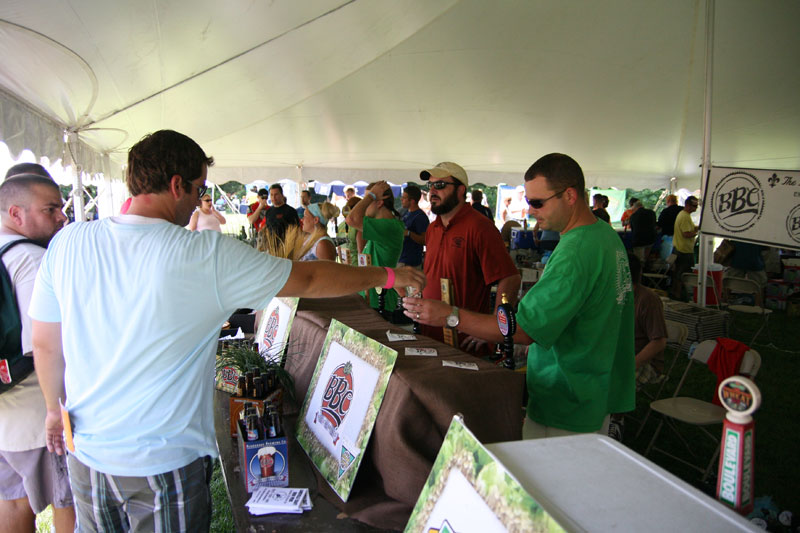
<point>237,404</point>
<point>250,464</point>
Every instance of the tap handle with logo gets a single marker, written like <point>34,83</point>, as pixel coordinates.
<point>507,322</point>
<point>735,487</point>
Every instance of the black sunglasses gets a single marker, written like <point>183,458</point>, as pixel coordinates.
<point>439,185</point>
<point>201,190</point>
<point>538,204</point>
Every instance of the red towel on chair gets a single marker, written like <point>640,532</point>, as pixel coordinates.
<point>725,360</point>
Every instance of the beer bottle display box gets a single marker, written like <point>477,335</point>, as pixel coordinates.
<point>262,462</point>
<point>237,403</point>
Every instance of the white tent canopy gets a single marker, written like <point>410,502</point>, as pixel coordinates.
<point>365,89</point>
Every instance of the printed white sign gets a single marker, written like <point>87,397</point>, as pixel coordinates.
<point>273,328</point>
<point>759,206</point>
<point>462,508</point>
<point>339,404</point>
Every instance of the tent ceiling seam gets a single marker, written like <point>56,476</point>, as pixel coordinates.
<point>89,72</point>
<point>334,82</point>
<point>221,63</point>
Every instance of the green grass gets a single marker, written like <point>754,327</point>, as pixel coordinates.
<point>777,430</point>
<point>44,520</point>
<point>221,516</point>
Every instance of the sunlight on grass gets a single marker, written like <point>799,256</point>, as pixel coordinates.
<point>44,520</point>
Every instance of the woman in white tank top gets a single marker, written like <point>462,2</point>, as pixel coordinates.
<point>315,223</point>
<point>206,217</point>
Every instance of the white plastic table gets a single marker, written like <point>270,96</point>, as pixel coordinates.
<point>594,483</point>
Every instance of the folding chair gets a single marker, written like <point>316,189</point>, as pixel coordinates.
<point>676,337</point>
<point>748,286</point>
<point>659,278</point>
<point>697,412</point>
<point>690,282</point>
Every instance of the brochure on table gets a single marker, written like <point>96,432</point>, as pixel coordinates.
<point>468,489</point>
<point>343,400</point>
<point>276,321</point>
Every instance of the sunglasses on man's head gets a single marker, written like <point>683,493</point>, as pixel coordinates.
<point>206,199</point>
<point>536,203</point>
<point>439,185</point>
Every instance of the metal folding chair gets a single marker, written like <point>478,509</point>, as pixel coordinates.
<point>676,337</point>
<point>690,282</point>
<point>659,278</point>
<point>749,287</point>
<point>696,412</point>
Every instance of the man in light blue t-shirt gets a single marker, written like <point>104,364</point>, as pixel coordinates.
<point>126,314</point>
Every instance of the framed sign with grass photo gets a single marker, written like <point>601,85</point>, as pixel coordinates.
<point>468,489</point>
<point>343,400</point>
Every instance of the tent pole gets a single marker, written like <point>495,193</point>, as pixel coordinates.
<point>70,140</point>
<point>706,242</point>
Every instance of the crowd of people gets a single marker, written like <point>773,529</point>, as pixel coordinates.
<point>136,389</point>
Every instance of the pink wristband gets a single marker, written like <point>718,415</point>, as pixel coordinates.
<point>389,278</point>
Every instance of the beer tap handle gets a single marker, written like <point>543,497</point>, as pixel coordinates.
<point>507,322</point>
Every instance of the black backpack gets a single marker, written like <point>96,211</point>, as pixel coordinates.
<point>14,365</point>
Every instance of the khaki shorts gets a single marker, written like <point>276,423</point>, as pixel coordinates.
<point>37,474</point>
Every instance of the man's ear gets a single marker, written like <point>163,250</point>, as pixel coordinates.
<point>572,195</point>
<point>15,212</point>
<point>176,186</point>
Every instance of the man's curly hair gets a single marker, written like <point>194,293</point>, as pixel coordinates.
<point>158,156</point>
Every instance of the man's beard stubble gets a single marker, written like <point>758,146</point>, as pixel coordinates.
<point>445,206</point>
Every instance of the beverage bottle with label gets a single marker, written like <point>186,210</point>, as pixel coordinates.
<point>250,386</point>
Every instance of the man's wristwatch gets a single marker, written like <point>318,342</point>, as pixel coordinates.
<point>452,318</point>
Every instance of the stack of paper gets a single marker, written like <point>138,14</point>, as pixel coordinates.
<point>269,500</point>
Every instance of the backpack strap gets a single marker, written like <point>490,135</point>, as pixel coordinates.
<point>17,367</point>
<point>11,244</point>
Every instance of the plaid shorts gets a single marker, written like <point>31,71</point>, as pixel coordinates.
<point>37,474</point>
<point>179,500</point>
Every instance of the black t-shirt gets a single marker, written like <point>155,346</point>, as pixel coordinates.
<point>483,210</point>
<point>602,214</point>
<point>285,214</point>
<point>643,227</point>
<point>666,220</point>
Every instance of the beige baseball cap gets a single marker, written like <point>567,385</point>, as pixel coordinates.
<point>444,170</point>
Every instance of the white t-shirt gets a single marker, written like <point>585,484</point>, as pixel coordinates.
<point>22,409</point>
<point>141,302</point>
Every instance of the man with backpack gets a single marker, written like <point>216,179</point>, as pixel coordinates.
<point>31,478</point>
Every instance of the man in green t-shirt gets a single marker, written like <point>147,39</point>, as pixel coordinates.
<point>578,318</point>
<point>382,229</point>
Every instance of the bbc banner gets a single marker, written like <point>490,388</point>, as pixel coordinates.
<point>759,206</point>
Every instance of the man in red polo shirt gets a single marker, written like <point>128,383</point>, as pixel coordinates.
<point>465,247</point>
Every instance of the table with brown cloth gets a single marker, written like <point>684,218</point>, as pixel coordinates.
<point>420,400</point>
